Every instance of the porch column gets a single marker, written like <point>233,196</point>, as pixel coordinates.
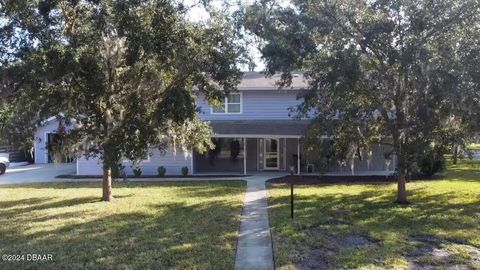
<point>192,169</point>
<point>298,156</point>
<point>352,166</point>
<point>244,156</point>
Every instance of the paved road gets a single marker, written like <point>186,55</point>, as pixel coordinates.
<point>36,173</point>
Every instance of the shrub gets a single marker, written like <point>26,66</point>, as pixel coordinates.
<point>428,163</point>
<point>185,171</point>
<point>118,171</point>
<point>431,164</point>
<point>137,171</point>
<point>161,171</point>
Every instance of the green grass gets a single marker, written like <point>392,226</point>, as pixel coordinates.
<point>474,146</point>
<point>193,225</point>
<point>447,210</point>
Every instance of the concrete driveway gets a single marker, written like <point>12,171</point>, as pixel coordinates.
<point>36,173</point>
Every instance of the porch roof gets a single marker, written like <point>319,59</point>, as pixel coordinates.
<point>259,128</point>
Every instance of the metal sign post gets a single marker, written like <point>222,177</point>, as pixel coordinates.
<point>291,202</point>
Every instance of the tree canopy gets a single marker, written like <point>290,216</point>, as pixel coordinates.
<point>126,73</point>
<point>390,71</point>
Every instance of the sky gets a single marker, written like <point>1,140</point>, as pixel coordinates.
<point>199,14</point>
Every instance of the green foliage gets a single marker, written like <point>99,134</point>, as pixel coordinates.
<point>390,72</point>
<point>16,127</point>
<point>429,162</point>
<point>128,72</point>
<point>185,171</point>
<point>118,170</point>
<point>137,171</point>
<point>5,118</point>
<point>161,171</point>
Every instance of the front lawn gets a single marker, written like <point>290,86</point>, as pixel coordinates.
<point>193,225</point>
<point>358,226</point>
<point>474,146</point>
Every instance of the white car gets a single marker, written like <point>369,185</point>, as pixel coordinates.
<point>4,163</point>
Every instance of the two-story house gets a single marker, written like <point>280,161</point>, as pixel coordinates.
<point>253,131</point>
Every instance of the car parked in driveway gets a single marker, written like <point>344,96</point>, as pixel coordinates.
<point>4,163</point>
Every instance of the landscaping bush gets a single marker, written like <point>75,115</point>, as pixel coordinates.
<point>185,171</point>
<point>431,164</point>
<point>161,171</point>
<point>137,171</point>
<point>118,171</point>
<point>428,163</point>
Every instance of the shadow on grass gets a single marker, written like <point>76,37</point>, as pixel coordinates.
<point>23,202</point>
<point>371,212</point>
<point>158,235</point>
<point>45,204</point>
<point>199,188</point>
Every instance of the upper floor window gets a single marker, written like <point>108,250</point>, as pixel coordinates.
<point>231,104</point>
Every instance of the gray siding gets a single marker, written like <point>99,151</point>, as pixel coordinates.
<point>256,105</point>
<point>171,161</point>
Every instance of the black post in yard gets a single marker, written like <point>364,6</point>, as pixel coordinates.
<point>291,201</point>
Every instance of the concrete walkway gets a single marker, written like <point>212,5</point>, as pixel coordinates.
<point>254,248</point>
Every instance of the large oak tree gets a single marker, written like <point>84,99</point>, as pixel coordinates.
<point>378,71</point>
<point>127,72</point>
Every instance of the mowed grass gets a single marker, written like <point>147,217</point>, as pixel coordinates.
<point>192,225</point>
<point>474,146</point>
<point>444,214</point>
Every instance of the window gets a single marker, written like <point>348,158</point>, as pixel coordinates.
<point>231,104</point>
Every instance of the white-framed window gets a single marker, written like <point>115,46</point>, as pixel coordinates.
<point>232,104</point>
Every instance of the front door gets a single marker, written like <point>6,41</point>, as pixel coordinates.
<point>270,154</point>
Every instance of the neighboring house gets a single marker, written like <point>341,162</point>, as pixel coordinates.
<point>253,131</point>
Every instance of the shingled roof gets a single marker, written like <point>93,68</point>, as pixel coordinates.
<point>259,128</point>
<point>258,81</point>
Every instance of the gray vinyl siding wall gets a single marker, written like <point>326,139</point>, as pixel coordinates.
<point>256,105</point>
<point>173,162</point>
<point>41,139</point>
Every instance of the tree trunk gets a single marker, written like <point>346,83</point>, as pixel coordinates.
<point>107,184</point>
<point>401,189</point>
<point>401,182</point>
<point>455,154</point>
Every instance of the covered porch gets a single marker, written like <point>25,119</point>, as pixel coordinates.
<point>246,147</point>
